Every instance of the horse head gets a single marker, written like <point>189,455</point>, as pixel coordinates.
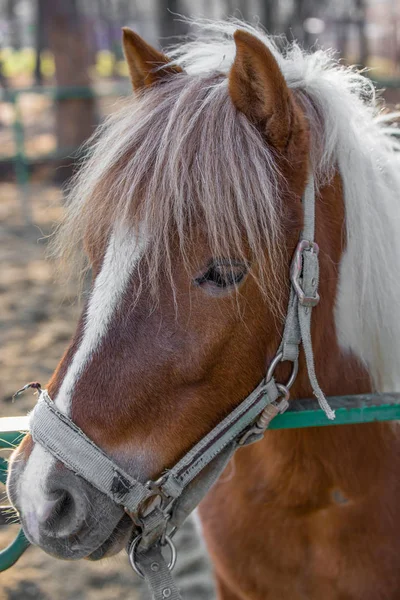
<point>189,210</point>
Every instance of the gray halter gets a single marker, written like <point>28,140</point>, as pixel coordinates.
<point>171,498</point>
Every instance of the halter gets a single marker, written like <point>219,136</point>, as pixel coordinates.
<point>159,507</point>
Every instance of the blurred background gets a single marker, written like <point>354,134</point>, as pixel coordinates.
<point>61,73</point>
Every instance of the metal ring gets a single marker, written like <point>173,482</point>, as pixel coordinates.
<point>284,390</point>
<point>273,365</point>
<point>133,559</point>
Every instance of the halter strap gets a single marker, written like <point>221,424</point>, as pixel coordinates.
<point>179,490</point>
<point>304,275</point>
<point>58,434</point>
<point>308,200</point>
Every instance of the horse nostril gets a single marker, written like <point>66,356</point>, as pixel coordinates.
<point>64,506</point>
<point>64,515</point>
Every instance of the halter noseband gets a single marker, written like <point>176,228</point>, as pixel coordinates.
<point>159,507</point>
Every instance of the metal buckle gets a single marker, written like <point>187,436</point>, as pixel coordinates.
<point>133,558</point>
<point>296,270</point>
<point>155,486</point>
<point>166,502</point>
<point>156,500</point>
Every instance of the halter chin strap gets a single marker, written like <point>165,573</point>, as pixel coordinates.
<point>159,507</point>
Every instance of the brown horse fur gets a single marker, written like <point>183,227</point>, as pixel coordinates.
<point>309,514</point>
<point>146,64</point>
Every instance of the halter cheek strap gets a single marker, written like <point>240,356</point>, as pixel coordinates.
<point>159,507</point>
<point>304,276</point>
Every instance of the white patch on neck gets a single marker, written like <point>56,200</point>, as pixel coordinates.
<point>123,253</point>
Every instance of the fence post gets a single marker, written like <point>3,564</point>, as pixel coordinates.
<point>21,163</point>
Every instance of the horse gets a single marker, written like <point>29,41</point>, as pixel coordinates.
<point>187,210</point>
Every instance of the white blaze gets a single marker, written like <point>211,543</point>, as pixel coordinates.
<point>123,253</point>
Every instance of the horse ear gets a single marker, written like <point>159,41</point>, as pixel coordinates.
<point>146,64</point>
<point>258,88</point>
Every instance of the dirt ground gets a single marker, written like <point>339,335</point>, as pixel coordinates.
<point>37,317</point>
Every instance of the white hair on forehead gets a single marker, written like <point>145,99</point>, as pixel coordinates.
<point>186,146</point>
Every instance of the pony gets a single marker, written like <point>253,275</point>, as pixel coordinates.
<point>187,210</point>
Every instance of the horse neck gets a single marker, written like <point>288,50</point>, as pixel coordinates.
<point>301,466</point>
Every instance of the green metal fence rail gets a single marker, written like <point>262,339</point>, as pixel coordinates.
<point>12,430</point>
<point>364,408</point>
<point>350,410</point>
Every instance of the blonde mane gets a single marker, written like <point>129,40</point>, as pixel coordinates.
<point>184,154</point>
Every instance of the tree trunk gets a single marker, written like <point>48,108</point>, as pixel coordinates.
<point>3,78</point>
<point>244,10</point>
<point>15,40</point>
<point>362,35</point>
<point>40,40</point>
<point>75,116</point>
<point>230,7</point>
<point>169,24</point>
<point>267,14</point>
<point>342,37</point>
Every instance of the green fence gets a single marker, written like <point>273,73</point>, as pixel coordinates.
<point>11,433</point>
<point>365,408</point>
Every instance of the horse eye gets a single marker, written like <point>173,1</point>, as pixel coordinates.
<point>223,274</point>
